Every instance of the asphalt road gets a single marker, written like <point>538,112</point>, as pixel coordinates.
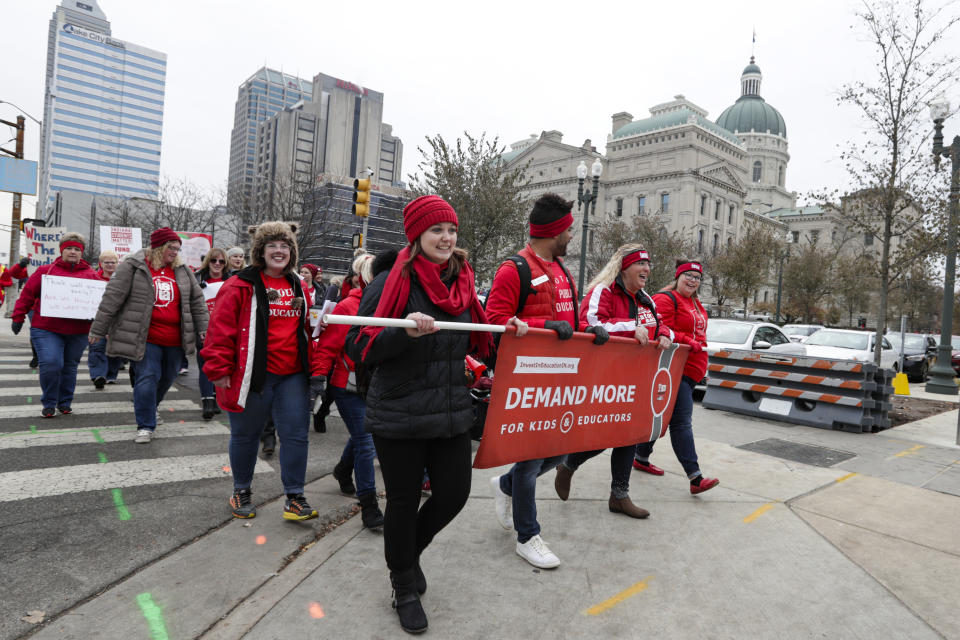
<point>82,506</point>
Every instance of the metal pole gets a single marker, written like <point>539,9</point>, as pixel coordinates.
<point>942,373</point>
<point>903,337</point>
<point>779,286</point>
<point>583,239</point>
<point>17,198</point>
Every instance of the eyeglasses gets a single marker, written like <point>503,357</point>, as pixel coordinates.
<point>273,246</point>
<point>218,261</point>
<point>694,278</point>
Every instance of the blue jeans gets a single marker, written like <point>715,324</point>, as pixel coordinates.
<point>353,408</point>
<point>207,390</point>
<point>286,400</point>
<point>152,378</point>
<point>101,365</point>
<point>621,462</point>
<point>681,432</point>
<point>521,483</point>
<point>58,355</point>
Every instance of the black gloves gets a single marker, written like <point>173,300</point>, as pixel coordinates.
<point>317,384</point>
<point>24,262</point>
<point>16,326</point>
<point>601,335</point>
<point>562,327</point>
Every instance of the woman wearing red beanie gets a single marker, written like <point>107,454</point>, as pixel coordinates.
<point>59,341</point>
<point>418,405</point>
<point>152,313</point>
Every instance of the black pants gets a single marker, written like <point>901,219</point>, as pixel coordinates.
<point>406,530</point>
<point>621,462</point>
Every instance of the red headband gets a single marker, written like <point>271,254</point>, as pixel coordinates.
<point>71,243</point>
<point>551,229</point>
<point>634,256</point>
<point>689,266</point>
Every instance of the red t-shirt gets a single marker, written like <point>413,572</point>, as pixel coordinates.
<point>283,356</point>
<point>165,322</point>
<point>564,295</point>
<point>212,301</point>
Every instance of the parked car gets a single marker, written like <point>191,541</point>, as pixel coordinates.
<point>919,354</point>
<point>797,332</point>
<point>849,344</point>
<point>757,316</point>
<point>955,354</point>
<point>737,334</point>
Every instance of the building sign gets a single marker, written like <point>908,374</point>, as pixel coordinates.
<point>121,240</point>
<point>18,176</point>
<point>93,35</point>
<point>349,86</point>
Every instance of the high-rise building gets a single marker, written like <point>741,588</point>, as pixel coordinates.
<point>260,97</point>
<point>102,112</point>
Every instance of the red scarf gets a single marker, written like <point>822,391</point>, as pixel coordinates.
<point>454,300</point>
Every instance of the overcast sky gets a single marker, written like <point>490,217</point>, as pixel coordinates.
<point>507,68</point>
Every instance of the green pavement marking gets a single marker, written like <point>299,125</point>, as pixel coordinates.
<point>96,435</point>
<point>102,456</point>
<point>154,615</point>
<point>33,428</point>
<point>122,511</point>
<point>29,399</point>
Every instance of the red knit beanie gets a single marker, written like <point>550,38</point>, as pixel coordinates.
<point>162,236</point>
<point>424,212</point>
<point>312,268</point>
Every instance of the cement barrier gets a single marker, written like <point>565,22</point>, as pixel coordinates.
<point>829,394</point>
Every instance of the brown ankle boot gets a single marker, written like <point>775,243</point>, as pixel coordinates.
<point>562,482</point>
<point>626,507</point>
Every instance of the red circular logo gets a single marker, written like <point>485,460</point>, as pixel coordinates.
<point>661,392</point>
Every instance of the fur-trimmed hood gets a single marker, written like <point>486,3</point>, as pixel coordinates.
<point>271,232</point>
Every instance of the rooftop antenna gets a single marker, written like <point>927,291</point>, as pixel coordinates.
<point>753,45</point>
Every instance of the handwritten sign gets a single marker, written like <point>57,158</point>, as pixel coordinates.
<point>43,244</point>
<point>120,240</point>
<point>193,246</point>
<point>211,290</point>
<point>76,298</point>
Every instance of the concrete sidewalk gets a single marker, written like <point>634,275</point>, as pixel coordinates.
<point>858,549</point>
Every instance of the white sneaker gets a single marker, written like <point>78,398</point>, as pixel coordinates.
<point>144,436</point>
<point>536,552</point>
<point>159,417</point>
<point>502,503</point>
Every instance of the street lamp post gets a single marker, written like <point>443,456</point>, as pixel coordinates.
<point>942,374</point>
<point>585,199</point>
<point>783,256</point>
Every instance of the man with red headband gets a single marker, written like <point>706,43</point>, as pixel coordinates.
<point>536,287</point>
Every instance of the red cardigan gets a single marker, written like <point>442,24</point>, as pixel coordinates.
<point>689,323</point>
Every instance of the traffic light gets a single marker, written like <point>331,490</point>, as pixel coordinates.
<point>361,197</point>
<point>357,240</point>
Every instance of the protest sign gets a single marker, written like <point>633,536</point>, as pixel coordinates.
<point>193,246</point>
<point>210,292</point>
<point>76,298</point>
<point>43,244</point>
<point>553,397</point>
<point>120,240</point>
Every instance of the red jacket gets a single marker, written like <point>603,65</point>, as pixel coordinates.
<point>30,298</point>
<point>612,308</point>
<point>688,319</point>
<point>540,306</point>
<point>328,351</point>
<point>6,280</point>
<point>236,340</point>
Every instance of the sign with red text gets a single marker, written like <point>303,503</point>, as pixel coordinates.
<point>193,247</point>
<point>42,244</point>
<point>553,397</point>
<point>121,240</point>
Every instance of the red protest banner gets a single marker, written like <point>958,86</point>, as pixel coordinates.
<point>553,397</point>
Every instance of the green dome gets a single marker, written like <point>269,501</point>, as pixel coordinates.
<point>751,113</point>
<point>751,68</point>
<point>672,119</point>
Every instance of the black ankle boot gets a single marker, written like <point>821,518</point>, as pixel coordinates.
<point>208,405</point>
<point>344,475</point>
<point>421,579</point>
<point>406,601</point>
<point>370,511</point>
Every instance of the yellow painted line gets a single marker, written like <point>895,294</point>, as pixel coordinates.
<point>620,597</point>
<point>845,478</point>
<point>759,512</point>
<point>909,452</point>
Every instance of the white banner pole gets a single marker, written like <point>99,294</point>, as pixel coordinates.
<point>410,324</point>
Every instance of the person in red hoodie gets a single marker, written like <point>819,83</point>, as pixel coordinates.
<point>329,354</point>
<point>103,368</point>
<point>681,311</point>
<point>59,341</point>
<point>616,301</point>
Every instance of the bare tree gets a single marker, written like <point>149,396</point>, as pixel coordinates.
<point>664,248</point>
<point>744,266</point>
<point>470,174</point>
<point>897,201</point>
<point>807,279</point>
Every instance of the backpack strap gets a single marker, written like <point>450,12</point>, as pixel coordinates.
<point>674,298</point>
<point>523,270</point>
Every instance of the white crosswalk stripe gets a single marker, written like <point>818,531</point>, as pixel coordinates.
<point>86,408</point>
<point>35,392</point>
<point>37,483</point>
<point>120,433</point>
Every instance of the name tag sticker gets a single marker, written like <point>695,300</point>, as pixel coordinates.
<point>539,280</point>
